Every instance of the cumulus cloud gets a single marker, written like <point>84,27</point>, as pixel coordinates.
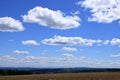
<point>21,52</point>
<point>116,55</point>
<point>69,49</point>
<point>75,13</point>
<point>65,60</point>
<point>59,40</point>
<point>8,24</point>
<point>115,41</point>
<point>7,57</point>
<point>102,11</point>
<point>117,62</point>
<point>79,41</point>
<point>51,18</point>
<point>106,42</point>
<point>31,57</point>
<point>68,57</point>
<point>30,42</point>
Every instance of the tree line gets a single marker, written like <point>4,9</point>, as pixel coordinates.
<point>14,72</point>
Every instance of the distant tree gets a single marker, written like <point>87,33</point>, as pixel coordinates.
<point>14,72</point>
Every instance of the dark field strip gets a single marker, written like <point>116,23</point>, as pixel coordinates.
<point>66,76</point>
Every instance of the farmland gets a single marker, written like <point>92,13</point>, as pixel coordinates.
<point>66,76</point>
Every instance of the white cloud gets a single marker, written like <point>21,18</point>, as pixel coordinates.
<point>44,52</point>
<point>98,41</point>
<point>41,60</point>
<point>68,57</point>
<point>31,57</point>
<point>30,42</point>
<point>102,11</point>
<point>7,57</point>
<point>69,49</point>
<point>106,42</point>
<point>115,41</point>
<point>116,55</point>
<point>117,62</point>
<point>7,60</point>
<point>51,18</point>
<point>81,49</point>
<point>11,40</point>
<point>119,22</point>
<point>65,60</point>
<point>59,40</point>
<point>54,60</point>
<point>8,24</point>
<point>75,13</point>
<point>21,52</point>
<point>78,3</point>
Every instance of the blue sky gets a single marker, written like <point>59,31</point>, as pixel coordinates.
<point>62,33</point>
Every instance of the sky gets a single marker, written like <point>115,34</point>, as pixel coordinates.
<point>60,33</point>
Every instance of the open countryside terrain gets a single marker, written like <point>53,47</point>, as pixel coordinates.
<point>66,76</point>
